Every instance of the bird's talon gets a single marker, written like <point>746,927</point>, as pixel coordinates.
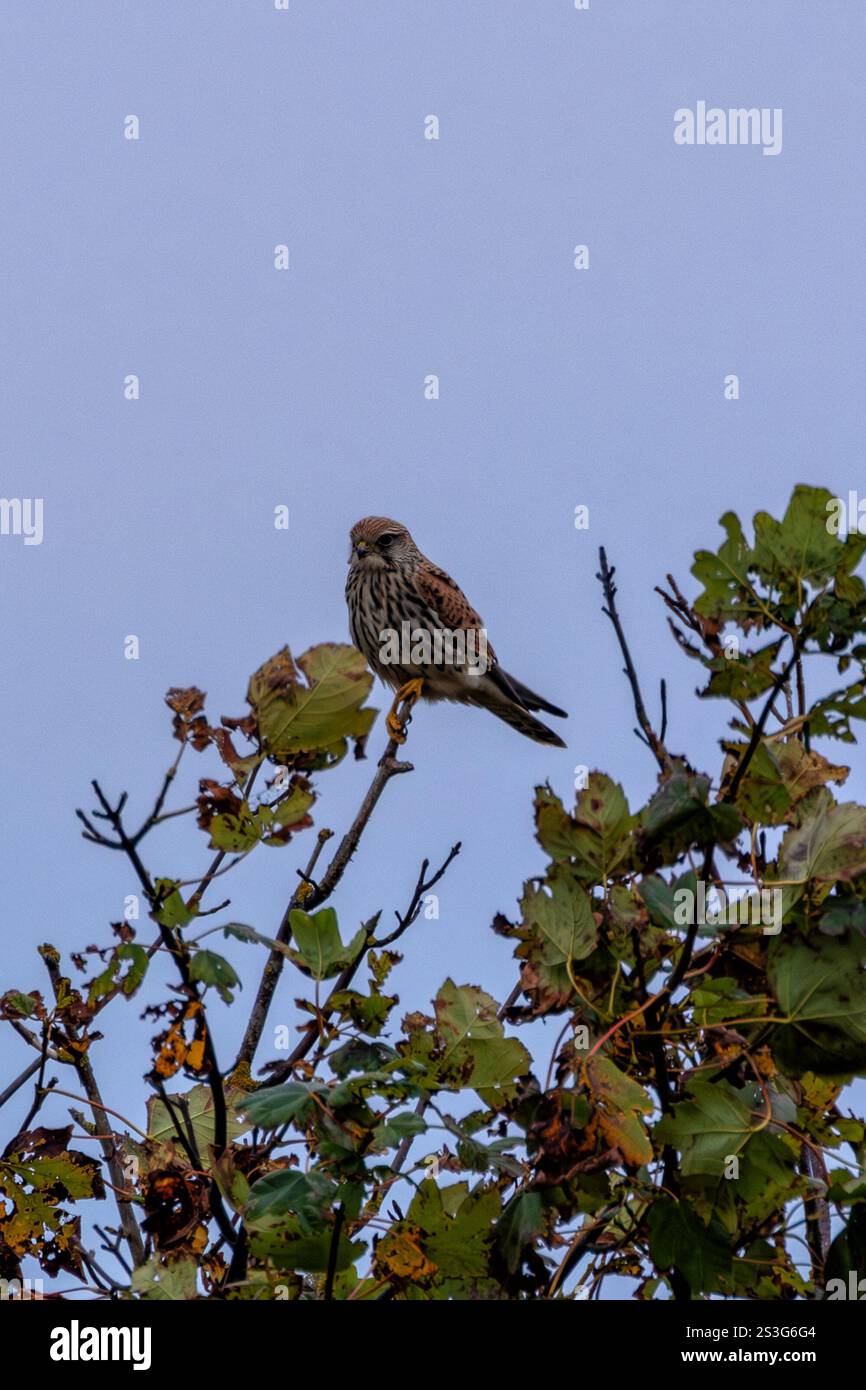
<point>395,727</point>
<point>404,700</point>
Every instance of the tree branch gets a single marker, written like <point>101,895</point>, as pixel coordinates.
<point>20,1081</point>
<point>759,726</point>
<point>650,737</point>
<point>281,1070</point>
<point>311,895</point>
<point>102,1128</point>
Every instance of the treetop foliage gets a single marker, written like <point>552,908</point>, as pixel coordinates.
<point>682,1124</point>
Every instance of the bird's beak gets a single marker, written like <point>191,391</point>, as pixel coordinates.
<point>362,549</point>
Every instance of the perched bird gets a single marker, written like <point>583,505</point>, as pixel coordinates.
<point>422,637</point>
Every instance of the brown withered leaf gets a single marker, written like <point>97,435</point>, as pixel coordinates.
<point>416,1022</point>
<point>38,1171</point>
<point>400,1255</point>
<point>176,1202</point>
<point>174,1049</point>
<point>214,799</point>
<point>15,1004</point>
<point>241,765</point>
<point>620,1104</point>
<point>189,723</point>
<point>245,724</point>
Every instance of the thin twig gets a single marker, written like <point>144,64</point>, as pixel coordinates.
<point>155,815</point>
<point>39,1089</point>
<point>344,979</point>
<point>20,1081</point>
<point>309,897</point>
<point>651,738</point>
<point>101,1126</point>
<point>760,724</point>
<point>339,1216</point>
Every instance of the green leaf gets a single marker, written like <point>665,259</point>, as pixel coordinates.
<point>274,1106</point>
<point>307,1196</point>
<point>456,1226</point>
<point>295,717</point>
<point>800,549</point>
<point>596,840</point>
<point>828,845</point>
<point>109,982</point>
<point>831,716</point>
<point>210,969</point>
<point>788,557</point>
<point>20,1003</point>
<point>557,928</point>
<point>320,947</point>
<point>713,1126</point>
<point>359,1056</point>
<point>288,1248</point>
<point>235,828</point>
<point>234,832</point>
<point>241,932</point>
<point>679,817</point>
<point>660,897</point>
<point>174,1282</point>
<point>718,998</point>
<point>170,910</point>
<point>778,777</point>
<point>519,1226</point>
<point>467,1047</point>
<point>198,1106</point>
<point>820,988</point>
<point>680,1240</point>
<point>847,1254</point>
<point>728,595</point>
<point>396,1128</point>
<point>744,677</point>
<point>288,817</point>
<point>471,1035</point>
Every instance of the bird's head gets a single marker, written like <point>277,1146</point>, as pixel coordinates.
<point>379,543</point>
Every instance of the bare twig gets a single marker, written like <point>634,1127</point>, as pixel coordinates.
<point>39,1090</point>
<point>339,1216</point>
<point>20,1081</point>
<point>155,815</point>
<point>650,737</point>
<point>817,1211</point>
<point>760,724</point>
<point>113,1247</point>
<point>281,1070</point>
<point>103,1129</point>
<point>311,895</point>
<point>173,944</point>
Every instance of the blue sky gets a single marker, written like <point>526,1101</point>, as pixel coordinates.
<point>408,257</point>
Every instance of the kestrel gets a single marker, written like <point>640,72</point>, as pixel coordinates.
<point>423,638</point>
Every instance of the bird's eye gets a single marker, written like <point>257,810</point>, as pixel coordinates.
<point>387,539</point>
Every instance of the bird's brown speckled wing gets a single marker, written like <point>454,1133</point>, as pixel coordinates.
<point>447,600</point>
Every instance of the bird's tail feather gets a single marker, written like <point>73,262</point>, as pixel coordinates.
<point>521,694</point>
<point>524,722</point>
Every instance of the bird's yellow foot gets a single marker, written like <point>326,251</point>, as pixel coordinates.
<point>407,697</point>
